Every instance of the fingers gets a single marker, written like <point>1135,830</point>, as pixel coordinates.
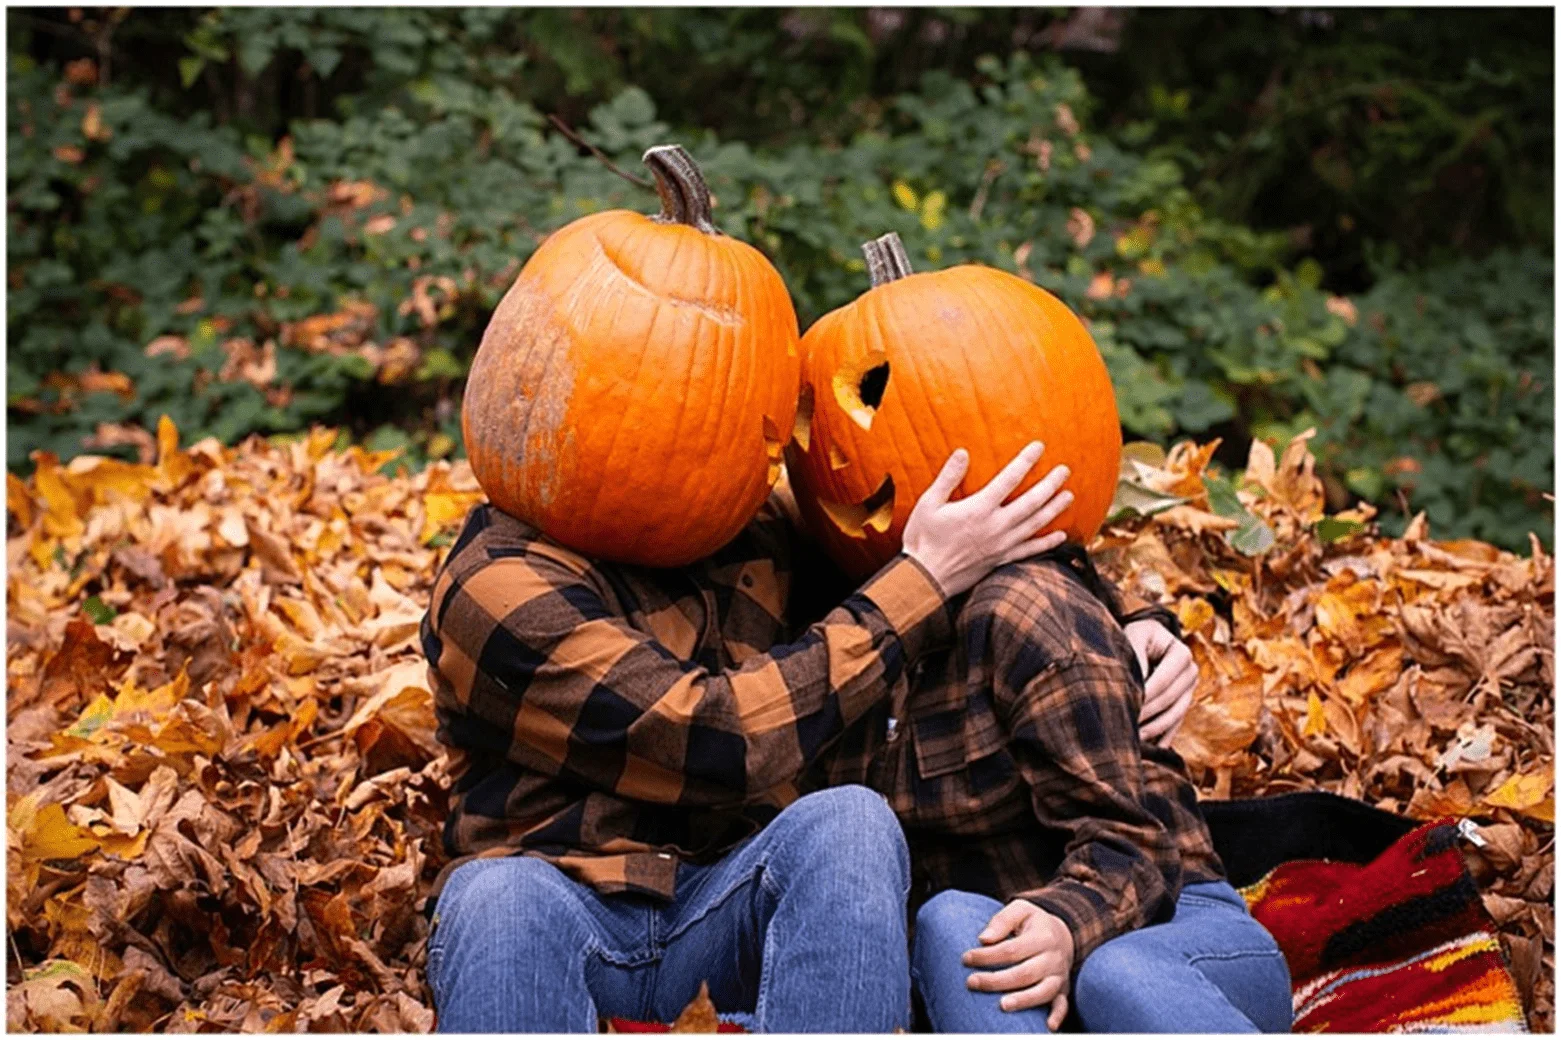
<point>1028,972</point>
<point>1175,660</point>
<point>1034,547</point>
<point>1008,952</point>
<point>1047,990</point>
<point>1164,724</point>
<point>1161,690</point>
<point>1011,475</point>
<point>1038,496</point>
<point>1007,921</point>
<point>1059,1012</point>
<point>1044,516</point>
<point>949,476</point>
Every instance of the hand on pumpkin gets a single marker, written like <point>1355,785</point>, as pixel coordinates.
<point>959,543</point>
<point>1034,950</point>
<point>1172,679</point>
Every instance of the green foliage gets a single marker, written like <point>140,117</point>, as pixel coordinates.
<point>1445,391</point>
<point>1399,133</point>
<point>162,260</point>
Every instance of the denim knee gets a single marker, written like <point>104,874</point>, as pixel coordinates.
<point>955,915</point>
<point>947,925</point>
<point>514,908</point>
<point>848,833</point>
<point>1116,974</point>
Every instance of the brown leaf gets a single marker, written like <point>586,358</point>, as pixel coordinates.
<point>699,1016</point>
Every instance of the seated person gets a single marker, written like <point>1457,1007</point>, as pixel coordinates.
<point>1057,859</point>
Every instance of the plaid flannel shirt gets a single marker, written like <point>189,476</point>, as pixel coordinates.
<point>1017,770</point>
<point>615,720</point>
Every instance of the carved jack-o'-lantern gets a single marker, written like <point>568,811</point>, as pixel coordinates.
<point>636,385</point>
<point>922,364</point>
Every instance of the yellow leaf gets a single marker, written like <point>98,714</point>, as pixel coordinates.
<point>18,500</point>
<point>103,480</point>
<point>444,505</point>
<point>61,518</point>
<point>132,699</point>
<point>932,208</point>
<point>1522,793</point>
<point>51,835</point>
<point>172,464</point>
<point>94,717</point>
<point>1316,720</point>
<point>905,195</point>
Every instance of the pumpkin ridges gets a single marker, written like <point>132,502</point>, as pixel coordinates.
<point>664,392</point>
<point>1003,323</point>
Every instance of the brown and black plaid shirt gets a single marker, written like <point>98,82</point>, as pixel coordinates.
<point>615,720</point>
<point>1017,770</point>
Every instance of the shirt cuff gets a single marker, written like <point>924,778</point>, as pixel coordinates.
<point>1085,911</point>
<point>913,603</point>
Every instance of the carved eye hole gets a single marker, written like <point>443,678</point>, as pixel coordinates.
<point>874,382</point>
<point>876,512</point>
<point>859,389</point>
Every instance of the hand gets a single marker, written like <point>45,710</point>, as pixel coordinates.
<point>1035,951</point>
<point>1172,680</point>
<point>962,542</point>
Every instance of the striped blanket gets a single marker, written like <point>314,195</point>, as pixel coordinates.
<point>1398,945</point>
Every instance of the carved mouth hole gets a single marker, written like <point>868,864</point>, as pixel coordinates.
<point>860,390</point>
<point>875,513</point>
<point>802,429</point>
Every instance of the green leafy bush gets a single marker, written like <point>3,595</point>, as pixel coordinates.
<point>345,273</point>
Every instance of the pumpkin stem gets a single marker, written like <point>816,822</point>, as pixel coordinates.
<point>685,198</point>
<point>886,259</point>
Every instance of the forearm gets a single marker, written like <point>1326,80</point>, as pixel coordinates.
<point>1120,868</point>
<point>1108,887</point>
<point>567,687</point>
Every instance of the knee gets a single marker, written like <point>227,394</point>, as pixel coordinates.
<point>847,834</point>
<point>1117,973</point>
<point>511,902</point>
<point>955,916</point>
<point>947,925</point>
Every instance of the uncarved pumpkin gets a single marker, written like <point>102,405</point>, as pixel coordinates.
<point>635,387</point>
<point>922,364</point>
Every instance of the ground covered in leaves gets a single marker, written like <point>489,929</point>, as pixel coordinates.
<point>224,793</point>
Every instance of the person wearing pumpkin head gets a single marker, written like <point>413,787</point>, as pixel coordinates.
<point>1059,856</point>
<point>628,706</point>
<point>628,703</point>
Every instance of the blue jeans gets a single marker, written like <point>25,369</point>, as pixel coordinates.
<point>1210,969</point>
<point>803,927</point>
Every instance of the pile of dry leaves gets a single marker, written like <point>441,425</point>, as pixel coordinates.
<point>224,794</point>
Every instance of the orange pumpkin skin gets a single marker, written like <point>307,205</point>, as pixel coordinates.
<point>977,359</point>
<point>635,387</point>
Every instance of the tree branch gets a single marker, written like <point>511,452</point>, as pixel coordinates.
<point>565,129</point>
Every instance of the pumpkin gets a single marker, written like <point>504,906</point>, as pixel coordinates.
<point>921,364</point>
<point>634,390</point>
